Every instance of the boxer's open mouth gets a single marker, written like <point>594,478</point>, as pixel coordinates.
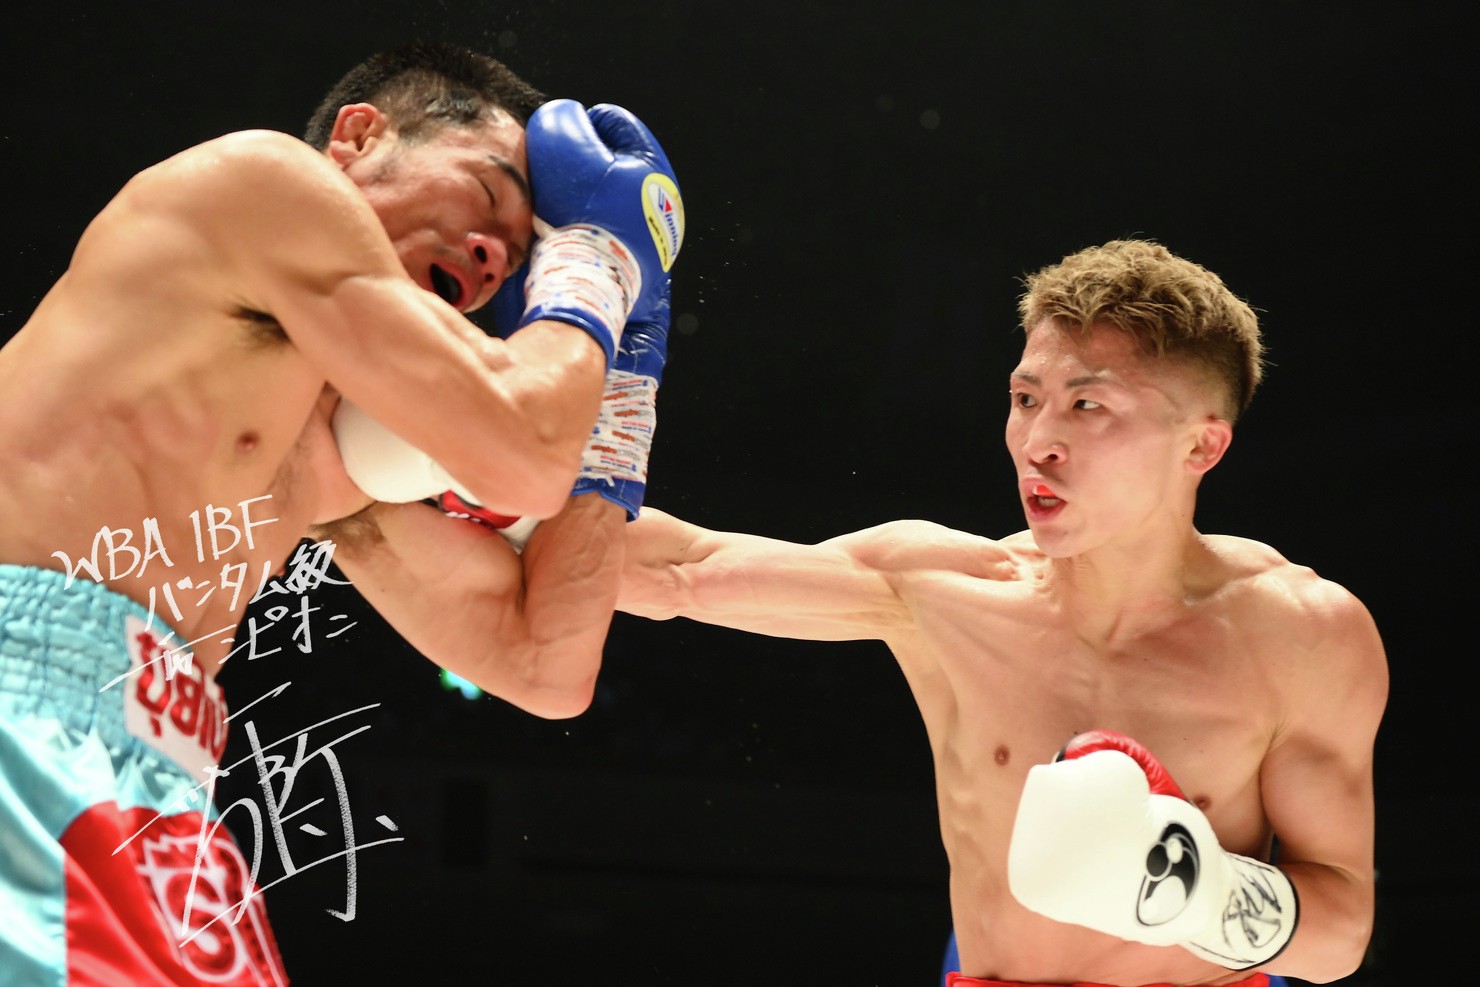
<point>1044,496</point>
<point>447,287</point>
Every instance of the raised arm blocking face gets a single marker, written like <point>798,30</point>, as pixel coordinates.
<point>456,207</point>
<point>204,313</point>
<point>527,628</point>
<point>311,244</point>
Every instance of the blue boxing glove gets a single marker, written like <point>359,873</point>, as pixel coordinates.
<point>609,217</point>
<point>614,462</point>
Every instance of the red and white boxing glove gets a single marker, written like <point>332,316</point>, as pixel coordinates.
<point>393,471</point>
<point>516,530</point>
<point>384,465</point>
<point>1105,839</point>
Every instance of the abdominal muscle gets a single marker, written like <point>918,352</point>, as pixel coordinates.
<point>184,498</point>
<point>1002,686</point>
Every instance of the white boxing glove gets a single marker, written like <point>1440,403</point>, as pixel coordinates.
<point>1106,840</point>
<point>384,465</point>
<point>390,469</point>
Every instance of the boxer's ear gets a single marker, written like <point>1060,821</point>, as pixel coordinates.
<point>357,129</point>
<point>1211,439</point>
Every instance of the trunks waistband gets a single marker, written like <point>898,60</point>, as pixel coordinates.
<point>957,980</point>
<point>76,652</point>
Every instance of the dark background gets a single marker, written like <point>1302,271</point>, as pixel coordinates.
<point>865,185</point>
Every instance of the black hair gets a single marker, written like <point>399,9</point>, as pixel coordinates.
<point>423,87</point>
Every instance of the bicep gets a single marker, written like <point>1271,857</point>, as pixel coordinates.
<point>1317,781</point>
<point>1317,789</point>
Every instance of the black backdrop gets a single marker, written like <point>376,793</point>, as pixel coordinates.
<point>865,185</point>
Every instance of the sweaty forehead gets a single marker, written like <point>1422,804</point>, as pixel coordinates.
<point>499,135</point>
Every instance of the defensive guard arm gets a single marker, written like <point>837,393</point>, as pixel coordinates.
<point>1105,839</point>
<point>528,628</point>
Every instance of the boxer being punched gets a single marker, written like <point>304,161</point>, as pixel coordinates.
<point>234,319</point>
<point>1225,671</point>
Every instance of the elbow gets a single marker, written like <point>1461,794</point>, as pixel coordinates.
<point>1342,952</point>
<point>553,683</point>
<point>556,700</point>
<point>554,479</point>
<point>549,457</point>
<point>649,612</point>
<point>1332,973</point>
<point>1354,939</point>
<point>1350,956</point>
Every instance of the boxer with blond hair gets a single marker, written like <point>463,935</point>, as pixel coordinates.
<point>1152,746</point>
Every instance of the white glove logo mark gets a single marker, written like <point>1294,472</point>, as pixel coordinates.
<point>1171,877</point>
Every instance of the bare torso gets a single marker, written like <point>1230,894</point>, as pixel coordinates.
<point>158,427</point>
<point>1003,682</point>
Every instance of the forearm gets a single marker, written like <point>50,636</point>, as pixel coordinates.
<point>532,449</point>
<point>530,400</point>
<point>552,377</point>
<point>826,592</point>
<point>526,628</point>
<point>572,566</point>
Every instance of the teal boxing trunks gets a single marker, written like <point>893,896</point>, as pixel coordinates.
<point>114,868</point>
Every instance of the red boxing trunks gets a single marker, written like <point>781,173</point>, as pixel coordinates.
<point>956,980</point>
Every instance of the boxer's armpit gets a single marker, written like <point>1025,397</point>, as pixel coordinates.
<point>353,535</point>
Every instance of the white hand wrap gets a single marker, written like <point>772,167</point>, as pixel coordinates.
<point>587,269</point>
<point>384,465</point>
<point>623,436</point>
<point>1094,847</point>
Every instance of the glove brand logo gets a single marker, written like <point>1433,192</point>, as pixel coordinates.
<point>663,207</point>
<point>1171,877</point>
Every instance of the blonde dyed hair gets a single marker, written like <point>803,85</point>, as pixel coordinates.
<point>1175,308</point>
